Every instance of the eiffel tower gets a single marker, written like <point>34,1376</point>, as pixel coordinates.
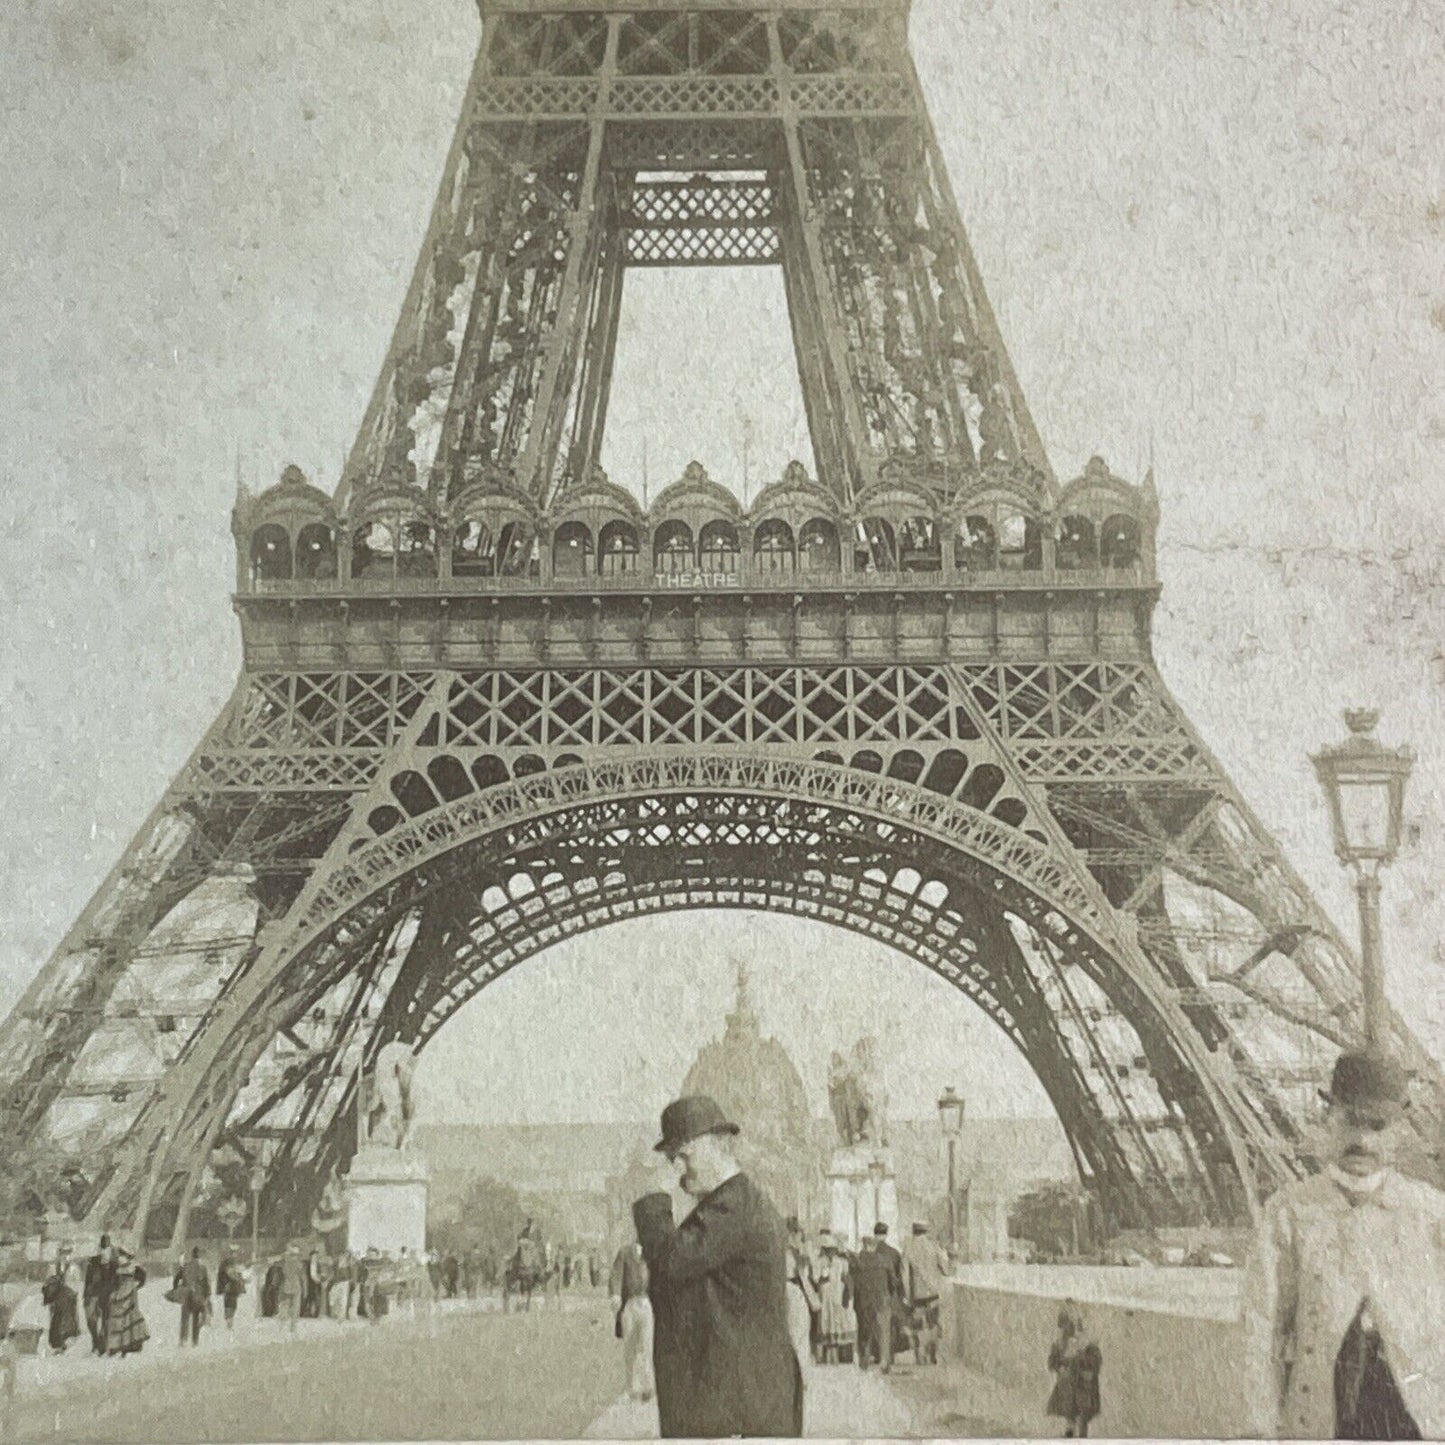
<point>489,702</point>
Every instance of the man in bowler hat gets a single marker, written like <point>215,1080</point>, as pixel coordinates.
<point>1342,1298</point>
<point>724,1359</point>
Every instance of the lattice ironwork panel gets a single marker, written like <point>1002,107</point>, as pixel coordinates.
<point>852,95</point>
<point>326,710</point>
<point>1175,760</point>
<point>729,222</point>
<point>693,95</point>
<point>825,41</point>
<point>700,705</point>
<point>539,95</point>
<point>711,42</point>
<point>1106,701</point>
<point>552,44</point>
<point>282,771</point>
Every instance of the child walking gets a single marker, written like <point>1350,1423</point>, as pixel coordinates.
<point>1075,1360</point>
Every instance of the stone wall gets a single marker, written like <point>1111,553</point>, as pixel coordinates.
<point>1170,1369</point>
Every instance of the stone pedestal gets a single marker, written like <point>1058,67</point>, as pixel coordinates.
<point>386,1193</point>
<point>862,1189</point>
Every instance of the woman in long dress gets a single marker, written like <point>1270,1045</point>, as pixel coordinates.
<point>58,1295</point>
<point>126,1328</point>
<point>837,1323</point>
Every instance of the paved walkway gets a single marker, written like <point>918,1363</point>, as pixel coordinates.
<point>459,1374</point>
<point>838,1401</point>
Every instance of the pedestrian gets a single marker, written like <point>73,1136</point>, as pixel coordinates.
<point>96,1291</point>
<point>230,1285</point>
<point>925,1267</point>
<point>269,1300</point>
<point>1342,1295</point>
<point>725,1363</point>
<point>632,1313</point>
<point>192,1291</point>
<point>7,1376</point>
<point>291,1286</point>
<point>801,1298</point>
<point>58,1295</point>
<point>837,1322</point>
<point>877,1293</point>
<point>1075,1360</point>
<point>125,1325</point>
<point>311,1288</point>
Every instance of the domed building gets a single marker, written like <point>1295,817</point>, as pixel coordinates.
<point>760,1090</point>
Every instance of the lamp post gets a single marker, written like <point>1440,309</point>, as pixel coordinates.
<point>257,1181</point>
<point>877,1172</point>
<point>1364,784</point>
<point>950,1120</point>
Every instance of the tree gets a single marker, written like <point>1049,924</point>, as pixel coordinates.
<point>1055,1217</point>
<point>489,1219</point>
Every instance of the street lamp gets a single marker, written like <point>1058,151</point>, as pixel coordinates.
<point>950,1120</point>
<point>257,1182</point>
<point>877,1172</point>
<point>1364,784</point>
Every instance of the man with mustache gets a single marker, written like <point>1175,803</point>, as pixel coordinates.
<point>1342,1300</point>
<point>725,1362</point>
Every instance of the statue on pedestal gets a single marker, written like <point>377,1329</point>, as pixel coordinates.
<point>386,1187</point>
<point>864,1191</point>
<point>858,1096</point>
<point>388,1102</point>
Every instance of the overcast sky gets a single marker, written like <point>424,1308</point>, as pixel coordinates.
<point>1214,233</point>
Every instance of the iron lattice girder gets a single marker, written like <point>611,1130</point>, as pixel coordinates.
<point>510,324</point>
<point>709,837</point>
<point>626,888</point>
<point>701,222</point>
<point>520,811</point>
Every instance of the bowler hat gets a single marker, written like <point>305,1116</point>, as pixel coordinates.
<point>1367,1081</point>
<point>689,1118</point>
<point>919,1227</point>
<point>880,1228</point>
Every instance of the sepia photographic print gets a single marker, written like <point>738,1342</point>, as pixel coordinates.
<point>722,719</point>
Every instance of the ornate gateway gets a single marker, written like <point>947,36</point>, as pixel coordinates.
<point>488,701</point>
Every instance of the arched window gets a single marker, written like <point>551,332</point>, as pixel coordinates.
<point>946,771</point>
<point>1119,542</point>
<point>617,549</point>
<point>572,550</point>
<point>718,547</point>
<point>672,549</point>
<point>474,551</point>
<point>975,545</point>
<point>270,554</point>
<point>416,552</point>
<point>1077,544</point>
<point>316,552</point>
<point>373,551</point>
<point>918,549</point>
<point>1020,544</point>
<point>818,547</point>
<point>773,549</point>
<point>875,548</point>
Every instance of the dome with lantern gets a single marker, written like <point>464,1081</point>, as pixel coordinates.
<point>759,1088</point>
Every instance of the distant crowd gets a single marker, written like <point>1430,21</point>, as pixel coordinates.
<point>100,1296</point>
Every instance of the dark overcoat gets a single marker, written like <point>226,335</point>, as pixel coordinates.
<point>724,1358</point>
